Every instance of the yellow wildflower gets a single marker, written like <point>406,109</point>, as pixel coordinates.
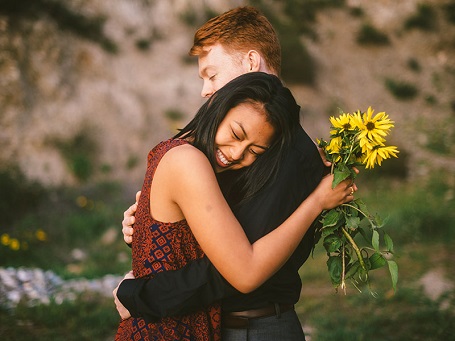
<point>5,239</point>
<point>41,235</point>
<point>14,244</point>
<point>81,201</point>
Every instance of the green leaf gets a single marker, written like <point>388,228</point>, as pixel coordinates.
<point>377,261</point>
<point>393,268</point>
<point>332,243</point>
<point>329,230</point>
<point>377,220</point>
<point>375,240</point>
<point>331,218</point>
<point>352,270</point>
<point>322,143</point>
<point>362,207</point>
<point>335,266</point>
<point>363,234</point>
<point>341,172</point>
<point>388,242</point>
<point>352,222</point>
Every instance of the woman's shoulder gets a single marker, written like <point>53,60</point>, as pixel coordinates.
<point>180,152</point>
<point>185,166</point>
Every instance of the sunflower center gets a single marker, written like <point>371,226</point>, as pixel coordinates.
<point>370,126</point>
<point>346,126</point>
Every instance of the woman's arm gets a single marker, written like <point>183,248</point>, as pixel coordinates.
<point>190,184</point>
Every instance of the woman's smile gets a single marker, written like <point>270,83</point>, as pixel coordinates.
<point>221,159</point>
<point>242,136</point>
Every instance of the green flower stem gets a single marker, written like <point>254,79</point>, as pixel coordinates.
<point>360,211</point>
<point>355,247</point>
<point>343,273</point>
<point>351,147</point>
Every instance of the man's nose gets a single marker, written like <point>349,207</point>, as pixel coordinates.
<point>207,90</point>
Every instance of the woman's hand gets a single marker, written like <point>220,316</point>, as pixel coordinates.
<point>329,197</point>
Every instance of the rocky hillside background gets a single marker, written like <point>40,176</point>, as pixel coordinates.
<point>87,87</point>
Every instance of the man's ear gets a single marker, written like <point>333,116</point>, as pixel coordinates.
<point>254,61</point>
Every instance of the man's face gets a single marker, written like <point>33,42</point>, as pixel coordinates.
<point>217,67</point>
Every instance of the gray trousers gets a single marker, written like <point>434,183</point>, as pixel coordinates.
<point>285,327</point>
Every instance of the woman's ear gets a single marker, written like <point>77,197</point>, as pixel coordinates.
<point>254,60</point>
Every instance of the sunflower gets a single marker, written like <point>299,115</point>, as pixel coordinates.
<point>378,154</point>
<point>367,144</point>
<point>372,127</point>
<point>341,123</point>
<point>334,148</point>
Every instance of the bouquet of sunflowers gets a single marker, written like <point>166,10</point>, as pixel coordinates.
<point>356,139</point>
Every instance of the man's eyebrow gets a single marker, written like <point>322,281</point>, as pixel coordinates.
<point>246,135</point>
<point>204,70</point>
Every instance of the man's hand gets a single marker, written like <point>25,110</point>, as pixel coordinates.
<point>128,221</point>
<point>123,312</point>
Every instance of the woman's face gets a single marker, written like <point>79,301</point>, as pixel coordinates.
<point>242,136</point>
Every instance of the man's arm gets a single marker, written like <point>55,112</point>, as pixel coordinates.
<point>173,293</point>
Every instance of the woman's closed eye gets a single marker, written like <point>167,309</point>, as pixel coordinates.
<point>255,153</point>
<point>235,135</point>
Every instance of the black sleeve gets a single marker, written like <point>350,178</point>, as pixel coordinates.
<point>172,293</point>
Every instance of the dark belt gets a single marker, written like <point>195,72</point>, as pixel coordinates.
<point>240,319</point>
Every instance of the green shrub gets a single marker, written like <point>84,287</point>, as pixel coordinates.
<point>193,17</point>
<point>90,28</point>
<point>88,318</point>
<point>424,19</point>
<point>418,213</point>
<point>143,44</point>
<point>297,64</point>
<point>174,114</point>
<point>369,35</point>
<point>414,65</point>
<point>440,134</point>
<point>71,219</point>
<point>408,315</point>
<point>189,17</point>
<point>19,195</point>
<point>400,89</point>
<point>356,12</point>
<point>302,13</point>
<point>431,99</point>
<point>79,152</point>
<point>132,162</point>
<point>449,10</point>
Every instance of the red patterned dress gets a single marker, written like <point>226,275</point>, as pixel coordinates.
<point>157,247</point>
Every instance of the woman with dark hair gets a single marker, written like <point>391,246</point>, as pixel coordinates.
<point>182,213</point>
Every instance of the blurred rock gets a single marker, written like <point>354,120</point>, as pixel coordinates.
<point>36,286</point>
